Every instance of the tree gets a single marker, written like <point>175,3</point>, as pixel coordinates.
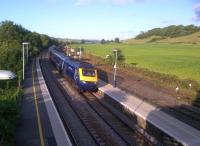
<point>103,41</point>
<point>45,40</point>
<point>117,40</point>
<point>120,57</point>
<point>169,31</point>
<point>82,41</point>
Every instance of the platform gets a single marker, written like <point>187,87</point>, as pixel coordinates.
<point>40,124</point>
<point>182,132</point>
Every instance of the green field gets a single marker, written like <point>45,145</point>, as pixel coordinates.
<point>182,60</point>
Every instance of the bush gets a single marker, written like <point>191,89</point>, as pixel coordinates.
<point>9,114</point>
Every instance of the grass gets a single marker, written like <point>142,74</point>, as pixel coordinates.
<point>182,60</point>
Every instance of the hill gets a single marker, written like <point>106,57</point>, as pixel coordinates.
<point>169,31</point>
<point>188,39</point>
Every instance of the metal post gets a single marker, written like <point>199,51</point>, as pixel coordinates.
<point>27,53</point>
<point>67,51</point>
<point>115,67</point>
<point>23,47</point>
<point>23,59</point>
<point>80,53</point>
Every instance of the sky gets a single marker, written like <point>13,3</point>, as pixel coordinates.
<point>98,19</point>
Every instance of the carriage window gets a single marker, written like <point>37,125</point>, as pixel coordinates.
<point>90,73</point>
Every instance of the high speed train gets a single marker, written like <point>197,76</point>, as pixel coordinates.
<point>83,74</point>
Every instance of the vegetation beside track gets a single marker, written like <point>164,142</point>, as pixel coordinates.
<point>11,38</point>
<point>166,65</point>
<point>181,60</point>
<point>9,114</point>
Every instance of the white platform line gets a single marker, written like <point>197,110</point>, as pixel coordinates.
<point>59,131</point>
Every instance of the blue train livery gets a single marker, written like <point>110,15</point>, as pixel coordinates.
<point>83,74</point>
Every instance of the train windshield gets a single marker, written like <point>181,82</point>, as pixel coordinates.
<point>88,72</point>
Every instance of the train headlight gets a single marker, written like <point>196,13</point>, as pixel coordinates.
<point>84,82</point>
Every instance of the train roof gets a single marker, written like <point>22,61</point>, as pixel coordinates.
<point>77,63</point>
<point>72,62</point>
<point>58,53</point>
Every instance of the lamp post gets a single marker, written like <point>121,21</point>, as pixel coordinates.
<point>67,51</point>
<point>115,66</point>
<point>23,47</point>
<point>80,53</point>
<point>107,56</point>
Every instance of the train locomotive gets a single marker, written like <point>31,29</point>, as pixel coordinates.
<point>83,74</point>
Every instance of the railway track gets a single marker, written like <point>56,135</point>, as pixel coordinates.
<point>74,127</point>
<point>126,129</point>
<point>102,125</point>
<point>187,114</point>
<point>92,124</point>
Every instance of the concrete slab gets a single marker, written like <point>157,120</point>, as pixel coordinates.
<point>58,128</point>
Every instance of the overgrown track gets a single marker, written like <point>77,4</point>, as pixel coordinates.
<point>187,114</point>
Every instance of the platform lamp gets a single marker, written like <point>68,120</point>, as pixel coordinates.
<point>23,47</point>
<point>115,66</point>
<point>7,75</point>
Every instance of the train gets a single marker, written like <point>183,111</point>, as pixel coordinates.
<point>82,74</point>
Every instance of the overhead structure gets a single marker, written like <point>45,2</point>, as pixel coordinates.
<point>7,75</point>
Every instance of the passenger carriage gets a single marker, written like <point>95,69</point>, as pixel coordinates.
<point>83,74</point>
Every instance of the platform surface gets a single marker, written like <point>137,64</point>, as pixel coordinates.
<point>182,132</point>
<point>40,124</point>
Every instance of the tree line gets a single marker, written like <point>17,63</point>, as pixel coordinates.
<point>116,40</point>
<point>169,31</point>
<point>11,37</point>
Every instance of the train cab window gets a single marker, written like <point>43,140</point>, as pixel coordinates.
<point>87,72</point>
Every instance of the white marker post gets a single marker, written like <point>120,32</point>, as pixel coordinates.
<point>115,66</point>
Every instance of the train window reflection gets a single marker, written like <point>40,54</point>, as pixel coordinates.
<point>90,73</point>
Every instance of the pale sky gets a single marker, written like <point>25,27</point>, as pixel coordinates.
<point>98,19</point>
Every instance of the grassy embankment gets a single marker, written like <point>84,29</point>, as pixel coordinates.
<point>180,59</point>
<point>170,65</point>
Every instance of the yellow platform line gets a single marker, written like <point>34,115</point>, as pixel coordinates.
<point>37,111</point>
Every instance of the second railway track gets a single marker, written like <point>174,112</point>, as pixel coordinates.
<point>105,127</point>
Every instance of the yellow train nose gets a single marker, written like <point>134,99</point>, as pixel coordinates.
<point>88,75</point>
